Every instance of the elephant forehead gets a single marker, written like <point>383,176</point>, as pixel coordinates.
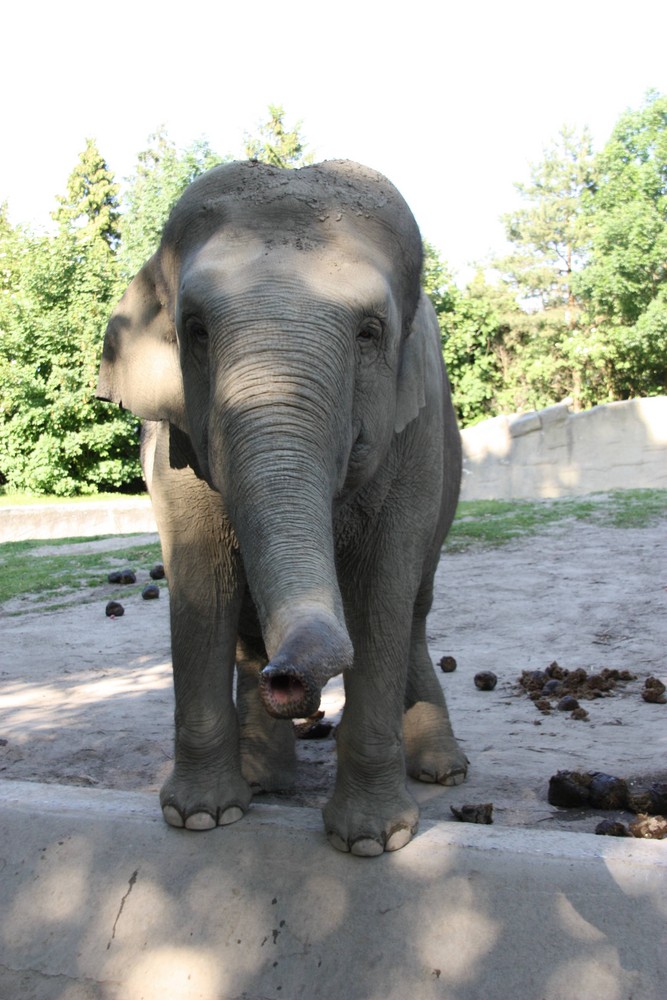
<point>224,269</point>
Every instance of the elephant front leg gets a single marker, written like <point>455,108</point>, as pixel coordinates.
<point>206,583</point>
<point>371,810</point>
<point>206,787</point>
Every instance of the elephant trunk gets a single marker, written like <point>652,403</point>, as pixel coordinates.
<point>282,453</point>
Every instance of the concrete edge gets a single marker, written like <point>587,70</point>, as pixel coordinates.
<point>142,807</point>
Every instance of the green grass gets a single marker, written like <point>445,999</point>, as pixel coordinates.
<point>60,579</point>
<point>496,522</point>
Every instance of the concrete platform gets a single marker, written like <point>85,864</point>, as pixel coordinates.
<point>100,899</point>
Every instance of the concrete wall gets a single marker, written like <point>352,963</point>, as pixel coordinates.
<point>554,452</point>
<point>123,516</point>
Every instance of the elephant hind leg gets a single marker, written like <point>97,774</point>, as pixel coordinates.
<point>268,745</point>
<point>432,752</point>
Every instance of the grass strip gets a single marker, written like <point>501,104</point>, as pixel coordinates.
<point>497,522</point>
<point>24,570</point>
<point>27,569</point>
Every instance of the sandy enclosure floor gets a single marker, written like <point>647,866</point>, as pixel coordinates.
<point>87,700</point>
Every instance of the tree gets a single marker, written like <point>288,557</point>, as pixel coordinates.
<point>54,436</point>
<point>626,216</point>
<point>91,204</point>
<point>624,286</point>
<point>162,174</point>
<point>547,233</point>
<point>552,244</point>
<point>277,145</point>
<point>480,328</point>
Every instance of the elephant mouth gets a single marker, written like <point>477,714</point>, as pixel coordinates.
<point>360,447</point>
<point>288,693</point>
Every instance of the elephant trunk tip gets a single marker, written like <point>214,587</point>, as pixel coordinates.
<point>313,649</point>
<point>287,692</point>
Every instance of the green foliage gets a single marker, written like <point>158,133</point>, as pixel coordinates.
<point>547,232</point>
<point>90,206</point>
<point>55,438</point>
<point>162,174</point>
<point>277,145</point>
<point>624,286</point>
<point>484,332</point>
<point>627,216</point>
<point>589,270</point>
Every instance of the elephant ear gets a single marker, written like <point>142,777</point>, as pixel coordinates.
<point>411,396</point>
<point>140,368</point>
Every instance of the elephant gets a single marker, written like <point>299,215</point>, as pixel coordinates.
<point>303,459</point>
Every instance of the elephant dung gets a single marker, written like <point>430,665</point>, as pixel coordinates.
<point>654,691</point>
<point>572,789</point>
<point>486,680</point>
<point>478,813</point>
<point>122,576</point>
<point>448,664</point>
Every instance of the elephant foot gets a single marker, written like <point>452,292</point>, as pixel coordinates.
<point>368,826</point>
<point>192,802</point>
<point>431,751</point>
<point>268,758</point>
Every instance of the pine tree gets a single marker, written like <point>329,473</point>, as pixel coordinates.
<point>91,205</point>
<point>548,233</point>
<point>277,145</point>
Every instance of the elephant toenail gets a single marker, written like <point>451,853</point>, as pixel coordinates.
<point>231,815</point>
<point>200,821</point>
<point>398,839</point>
<point>366,847</point>
<point>338,842</point>
<point>172,816</point>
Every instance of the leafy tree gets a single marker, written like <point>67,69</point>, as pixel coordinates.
<point>162,174</point>
<point>624,286</point>
<point>91,204</point>
<point>54,436</point>
<point>561,354</point>
<point>547,232</point>
<point>627,215</point>
<point>481,333</point>
<point>277,145</point>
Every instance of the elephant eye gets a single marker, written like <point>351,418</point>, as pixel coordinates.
<point>196,331</point>
<point>370,330</point>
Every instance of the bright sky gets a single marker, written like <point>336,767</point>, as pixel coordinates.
<point>451,102</point>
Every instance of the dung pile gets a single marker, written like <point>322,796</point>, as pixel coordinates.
<point>596,790</point>
<point>561,689</point>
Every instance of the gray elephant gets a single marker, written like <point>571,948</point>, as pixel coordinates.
<point>303,460</point>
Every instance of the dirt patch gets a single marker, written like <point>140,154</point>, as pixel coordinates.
<point>87,699</point>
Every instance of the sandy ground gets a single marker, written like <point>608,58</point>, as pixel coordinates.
<point>87,700</point>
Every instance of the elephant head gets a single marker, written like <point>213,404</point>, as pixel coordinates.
<point>277,327</point>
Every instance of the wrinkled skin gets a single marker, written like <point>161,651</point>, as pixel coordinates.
<point>304,463</point>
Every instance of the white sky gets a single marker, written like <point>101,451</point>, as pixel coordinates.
<point>451,101</point>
